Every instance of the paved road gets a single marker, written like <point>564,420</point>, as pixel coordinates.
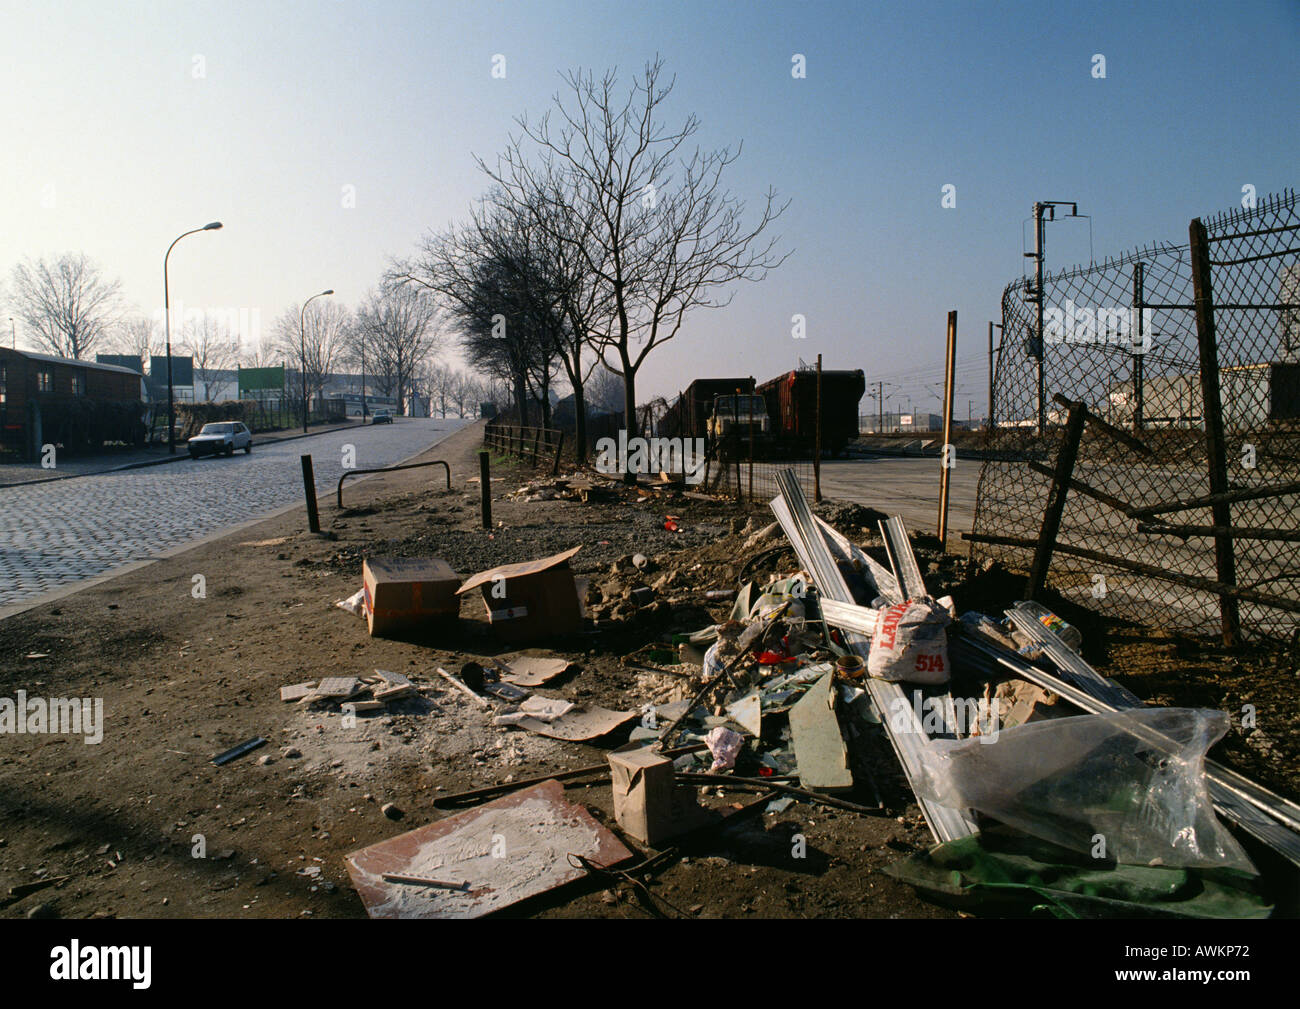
<point>908,487</point>
<point>54,534</point>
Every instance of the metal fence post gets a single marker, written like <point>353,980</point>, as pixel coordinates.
<point>485,489</point>
<point>817,446</point>
<point>1056,496</point>
<point>309,488</point>
<point>948,452</point>
<point>1212,410</point>
<point>1139,298</point>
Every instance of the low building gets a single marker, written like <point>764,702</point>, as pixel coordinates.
<point>62,401</point>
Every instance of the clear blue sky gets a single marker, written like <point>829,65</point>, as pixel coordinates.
<point>104,113</point>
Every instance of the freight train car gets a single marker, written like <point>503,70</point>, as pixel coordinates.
<point>689,416</point>
<point>792,406</point>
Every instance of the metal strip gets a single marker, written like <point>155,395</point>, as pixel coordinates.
<point>1072,666</point>
<point>848,616</point>
<point>897,712</point>
<point>901,557</point>
<point>884,580</point>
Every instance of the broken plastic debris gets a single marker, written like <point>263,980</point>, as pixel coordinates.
<point>354,604</point>
<point>724,745</point>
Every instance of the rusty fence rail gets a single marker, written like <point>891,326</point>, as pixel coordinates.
<point>529,443</point>
<point>389,469</point>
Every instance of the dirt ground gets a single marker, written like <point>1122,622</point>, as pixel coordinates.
<point>184,678</point>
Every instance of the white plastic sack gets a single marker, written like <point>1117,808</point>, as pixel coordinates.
<point>911,643</point>
<point>1127,786</point>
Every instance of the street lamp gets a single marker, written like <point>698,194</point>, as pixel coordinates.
<point>302,347</point>
<point>363,376</point>
<point>167,321</point>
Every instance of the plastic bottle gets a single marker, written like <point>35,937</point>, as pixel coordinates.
<point>1068,633</point>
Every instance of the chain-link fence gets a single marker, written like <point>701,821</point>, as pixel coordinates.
<point>1139,341</point>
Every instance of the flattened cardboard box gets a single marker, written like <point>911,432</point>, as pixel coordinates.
<point>531,600</point>
<point>403,592</point>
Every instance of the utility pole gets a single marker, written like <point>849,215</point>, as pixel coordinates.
<point>1139,347</point>
<point>880,403</point>
<point>990,424</point>
<point>1044,211</point>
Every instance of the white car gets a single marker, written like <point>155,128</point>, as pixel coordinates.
<point>223,437</point>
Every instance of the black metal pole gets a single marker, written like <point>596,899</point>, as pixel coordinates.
<point>309,488</point>
<point>1212,411</point>
<point>485,489</point>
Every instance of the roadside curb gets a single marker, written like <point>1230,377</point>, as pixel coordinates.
<point>14,609</point>
<point>183,457</point>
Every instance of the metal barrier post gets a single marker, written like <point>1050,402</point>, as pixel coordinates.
<point>309,488</point>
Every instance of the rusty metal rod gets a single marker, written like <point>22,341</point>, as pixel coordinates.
<point>389,469</point>
<point>770,784</point>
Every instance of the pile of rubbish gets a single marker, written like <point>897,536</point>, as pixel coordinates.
<point>1043,783</point>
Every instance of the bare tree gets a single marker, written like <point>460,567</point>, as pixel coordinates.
<point>464,392</point>
<point>605,390</point>
<point>400,323</point>
<point>438,380</point>
<point>645,213</point>
<point>314,343</point>
<point>138,336</point>
<point>215,353</point>
<point>265,352</point>
<point>482,274</point>
<point>67,305</point>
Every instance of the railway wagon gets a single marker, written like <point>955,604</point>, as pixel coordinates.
<point>689,416</point>
<point>792,406</point>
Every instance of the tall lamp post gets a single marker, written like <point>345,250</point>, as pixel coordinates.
<point>167,322</point>
<point>363,378</point>
<point>302,340</point>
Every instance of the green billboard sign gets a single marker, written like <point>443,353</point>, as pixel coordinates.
<point>260,379</point>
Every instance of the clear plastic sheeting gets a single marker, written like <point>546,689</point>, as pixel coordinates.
<point>1125,786</point>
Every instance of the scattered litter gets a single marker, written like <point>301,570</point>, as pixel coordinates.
<point>724,745</point>
<point>539,709</point>
<point>463,689</point>
<point>748,713</point>
<point>818,745</point>
<point>577,726</point>
<point>405,592</point>
<point>238,751</point>
<point>534,599</point>
<point>649,805</point>
<point>510,849</point>
<point>531,670</point>
<point>1136,778</point>
<point>394,877</point>
<point>297,691</point>
<point>354,604</point>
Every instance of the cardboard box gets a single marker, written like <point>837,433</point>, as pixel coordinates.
<point>531,600</point>
<point>405,592</point>
<point>648,805</point>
